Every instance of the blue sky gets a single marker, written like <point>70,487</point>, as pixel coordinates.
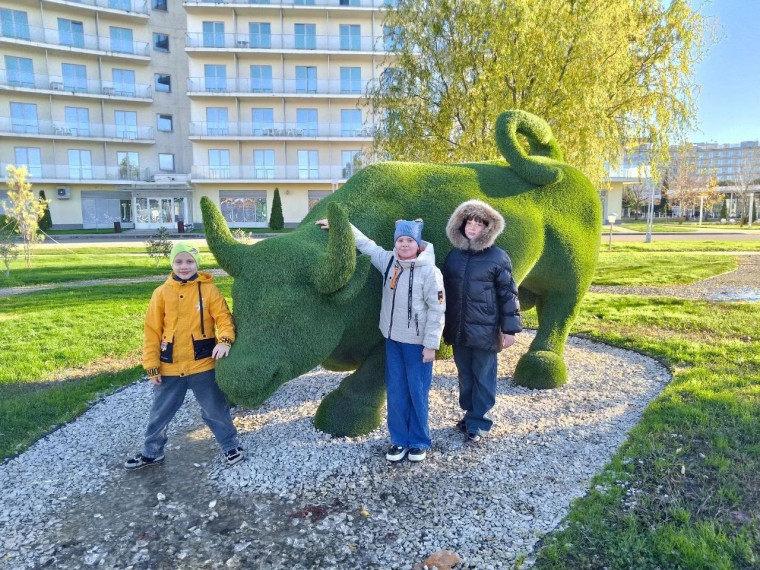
<point>729,76</point>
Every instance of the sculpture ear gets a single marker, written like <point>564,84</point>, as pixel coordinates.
<point>355,285</point>
<point>334,269</point>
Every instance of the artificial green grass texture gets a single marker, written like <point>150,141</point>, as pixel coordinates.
<point>684,491</point>
<point>292,311</point>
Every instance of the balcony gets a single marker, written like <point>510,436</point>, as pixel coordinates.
<point>296,3</point>
<point>83,43</point>
<point>138,8</point>
<point>289,86</point>
<point>87,174</point>
<point>90,131</point>
<point>198,41</point>
<point>251,173</point>
<point>88,87</point>
<point>280,130</point>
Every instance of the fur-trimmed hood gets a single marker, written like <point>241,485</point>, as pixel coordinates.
<point>466,210</point>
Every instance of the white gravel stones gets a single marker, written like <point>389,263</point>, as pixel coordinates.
<point>489,505</point>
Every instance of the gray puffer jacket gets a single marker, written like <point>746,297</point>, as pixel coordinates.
<point>413,304</point>
<point>480,289</point>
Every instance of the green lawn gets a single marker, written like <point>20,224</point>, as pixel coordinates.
<point>683,491</point>
<point>669,227</point>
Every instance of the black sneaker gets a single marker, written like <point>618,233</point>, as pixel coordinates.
<point>461,426</point>
<point>139,461</point>
<point>417,454</point>
<point>234,456</point>
<point>474,440</point>
<point>395,453</point>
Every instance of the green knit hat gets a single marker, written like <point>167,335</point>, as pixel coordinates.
<point>187,248</point>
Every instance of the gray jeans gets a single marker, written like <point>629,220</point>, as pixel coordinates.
<point>167,399</point>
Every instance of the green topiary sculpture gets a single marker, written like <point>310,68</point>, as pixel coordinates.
<point>276,221</point>
<point>307,298</point>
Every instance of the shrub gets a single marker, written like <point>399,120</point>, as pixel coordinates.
<point>8,247</point>
<point>243,236</point>
<point>159,245</point>
<point>46,222</point>
<point>276,221</point>
<point>724,211</point>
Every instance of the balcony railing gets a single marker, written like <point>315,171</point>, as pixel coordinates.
<point>78,130</point>
<point>320,3</point>
<point>128,6</point>
<point>280,130</point>
<point>245,85</point>
<point>85,173</point>
<point>75,85</point>
<point>245,41</point>
<point>271,172</point>
<point>55,38</point>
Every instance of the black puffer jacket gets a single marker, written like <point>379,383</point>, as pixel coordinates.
<point>481,294</point>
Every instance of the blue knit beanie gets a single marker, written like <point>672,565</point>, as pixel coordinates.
<point>413,229</point>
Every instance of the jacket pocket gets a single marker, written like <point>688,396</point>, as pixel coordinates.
<point>203,348</point>
<point>167,352</point>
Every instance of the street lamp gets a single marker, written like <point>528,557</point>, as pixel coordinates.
<point>611,221</point>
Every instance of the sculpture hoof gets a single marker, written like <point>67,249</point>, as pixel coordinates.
<point>540,369</point>
<point>340,416</point>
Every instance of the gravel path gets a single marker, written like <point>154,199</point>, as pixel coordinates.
<point>305,500</point>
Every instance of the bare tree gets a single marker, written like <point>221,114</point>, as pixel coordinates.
<point>635,197</point>
<point>747,179</point>
<point>687,181</point>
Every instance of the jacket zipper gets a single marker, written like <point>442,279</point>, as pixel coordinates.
<point>393,301</point>
<point>460,335</point>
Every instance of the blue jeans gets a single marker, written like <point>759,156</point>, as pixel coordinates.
<point>477,386</point>
<point>407,381</point>
<point>167,399</point>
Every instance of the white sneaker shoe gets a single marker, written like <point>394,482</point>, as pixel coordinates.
<point>395,453</point>
<point>416,454</point>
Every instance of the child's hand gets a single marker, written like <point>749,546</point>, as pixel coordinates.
<point>323,224</point>
<point>155,380</point>
<point>428,354</point>
<point>507,340</point>
<point>220,351</point>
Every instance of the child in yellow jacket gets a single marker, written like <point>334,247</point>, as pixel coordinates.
<point>188,327</point>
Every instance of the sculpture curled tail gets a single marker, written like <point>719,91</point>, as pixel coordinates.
<point>538,166</point>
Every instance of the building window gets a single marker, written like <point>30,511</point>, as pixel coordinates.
<point>216,121</point>
<point>163,82</point>
<point>31,157</point>
<point>166,162</point>
<point>263,121</point>
<point>24,118</point>
<point>306,36</point>
<point>74,77</point>
<point>121,40</point>
<point>243,207</point>
<point>80,164</point>
<point>390,79</point>
<point>350,122</point>
<point>303,2</point>
<point>14,24</point>
<point>160,5</point>
<point>392,38</point>
<point>219,163</point>
<point>263,164</point>
<point>20,71</point>
<point>125,5</point>
<point>308,164</point>
<point>126,124</point>
<point>123,82</point>
<point>77,121</point>
<point>350,37</point>
<point>161,42</point>
<point>70,33</point>
<point>350,79</point>
<point>306,79</point>
<point>260,35</point>
<point>352,162</point>
<point>261,78</point>
<point>165,123</point>
<point>213,34</point>
<point>315,196</point>
<point>215,78</point>
<point>306,120</point>
<point>129,165</point>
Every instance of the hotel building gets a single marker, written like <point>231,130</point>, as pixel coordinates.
<point>130,111</point>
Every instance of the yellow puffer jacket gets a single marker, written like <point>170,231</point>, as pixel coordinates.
<point>178,342</point>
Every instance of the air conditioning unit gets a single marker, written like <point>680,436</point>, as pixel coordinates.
<point>63,192</point>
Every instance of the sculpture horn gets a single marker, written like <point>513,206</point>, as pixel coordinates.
<point>227,251</point>
<point>335,268</point>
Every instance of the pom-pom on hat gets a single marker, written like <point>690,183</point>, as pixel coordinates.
<point>413,229</point>
<point>181,247</point>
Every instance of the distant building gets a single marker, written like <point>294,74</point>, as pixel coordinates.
<point>131,110</point>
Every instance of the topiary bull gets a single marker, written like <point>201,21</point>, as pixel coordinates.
<point>307,298</point>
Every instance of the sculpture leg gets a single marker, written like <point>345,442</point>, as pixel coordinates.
<point>354,407</point>
<point>542,366</point>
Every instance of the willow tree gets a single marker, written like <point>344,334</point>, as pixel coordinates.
<point>603,74</point>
